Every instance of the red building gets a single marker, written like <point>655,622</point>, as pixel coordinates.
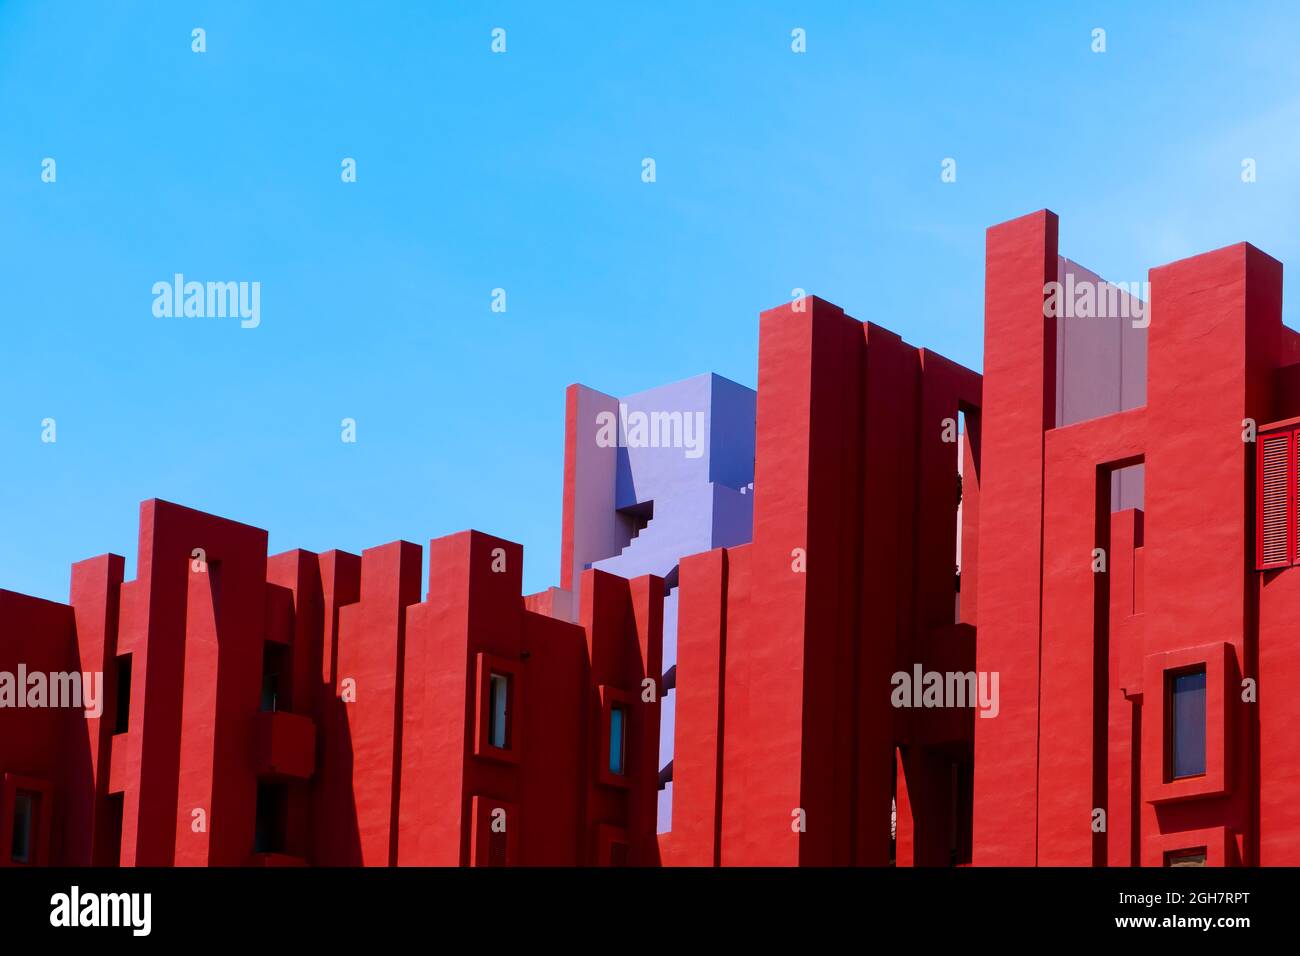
<point>1098,532</point>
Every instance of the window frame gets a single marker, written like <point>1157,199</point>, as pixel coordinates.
<point>1222,677</point>
<point>1170,717</point>
<point>499,700</point>
<point>38,849</point>
<point>488,665</point>
<point>611,698</point>
<point>617,746</point>
<point>1218,843</point>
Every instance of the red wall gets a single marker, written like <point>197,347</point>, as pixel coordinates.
<point>788,747</point>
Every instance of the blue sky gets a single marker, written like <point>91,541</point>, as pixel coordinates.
<point>521,171</point>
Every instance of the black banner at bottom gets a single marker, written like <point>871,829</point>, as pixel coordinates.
<point>565,907</point>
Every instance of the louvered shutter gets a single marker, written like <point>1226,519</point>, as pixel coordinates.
<point>1276,527</point>
<point>497,845</point>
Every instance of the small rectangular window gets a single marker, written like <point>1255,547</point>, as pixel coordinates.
<point>1193,857</point>
<point>617,733</point>
<point>271,821</point>
<point>274,671</point>
<point>498,710</point>
<point>1187,724</point>
<point>122,712</point>
<point>25,807</point>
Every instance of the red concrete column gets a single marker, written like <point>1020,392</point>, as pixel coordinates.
<point>194,626</point>
<point>647,622</point>
<point>298,573</point>
<point>697,749</point>
<point>1276,677</point>
<point>334,815</point>
<point>554,770</point>
<point>95,599</point>
<point>372,645</point>
<point>624,625</point>
<point>1019,404</point>
<point>40,744</point>
<point>885,629</point>
<point>1126,633</point>
<point>473,607</point>
<point>1214,340</point>
<point>799,696</point>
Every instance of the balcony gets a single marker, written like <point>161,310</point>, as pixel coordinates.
<point>286,746</point>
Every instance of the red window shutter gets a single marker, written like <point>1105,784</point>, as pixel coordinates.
<point>497,849</point>
<point>1275,523</point>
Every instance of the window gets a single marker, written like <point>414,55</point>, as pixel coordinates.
<point>1275,500</point>
<point>274,669</point>
<point>610,752</point>
<point>25,806</point>
<point>1189,734</point>
<point>271,821</point>
<point>617,733</point>
<point>1187,723</point>
<point>498,710</point>
<point>122,712</point>
<point>1193,857</point>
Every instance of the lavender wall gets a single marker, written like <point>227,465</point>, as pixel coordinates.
<point>699,490</point>
<point>1101,368</point>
